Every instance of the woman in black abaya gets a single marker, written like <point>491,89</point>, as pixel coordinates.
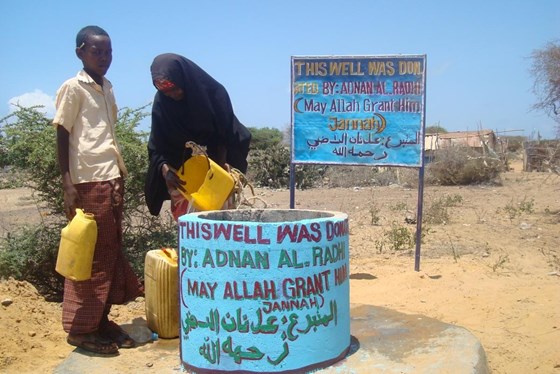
<point>189,105</point>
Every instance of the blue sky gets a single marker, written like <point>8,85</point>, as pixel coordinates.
<point>477,51</point>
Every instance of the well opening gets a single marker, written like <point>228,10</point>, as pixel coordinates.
<point>262,215</point>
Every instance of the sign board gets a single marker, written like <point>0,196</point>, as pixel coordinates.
<point>364,110</point>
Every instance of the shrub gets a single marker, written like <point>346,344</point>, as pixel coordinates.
<point>271,168</point>
<point>31,142</point>
<point>437,212</point>
<point>514,210</point>
<point>265,137</point>
<point>30,254</point>
<point>435,129</point>
<point>399,237</point>
<point>11,179</point>
<point>360,176</point>
<point>348,176</point>
<point>462,166</point>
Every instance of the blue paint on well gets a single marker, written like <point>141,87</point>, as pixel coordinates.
<point>263,290</point>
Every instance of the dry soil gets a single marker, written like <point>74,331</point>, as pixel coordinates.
<point>492,267</point>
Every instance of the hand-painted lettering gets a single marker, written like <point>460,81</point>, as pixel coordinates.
<point>225,231</point>
<point>236,259</point>
<point>243,290</point>
<point>381,68</point>
<point>298,233</point>
<point>345,68</point>
<point>201,289</point>
<point>337,229</point>
<point>290,305</point>
<point>289,260</point>
<point>340,275</point>
<point>306,286</point>
<point>291,326</point>
<point>329,254</point>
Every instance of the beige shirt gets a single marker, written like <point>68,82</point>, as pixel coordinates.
<point>89,113</point>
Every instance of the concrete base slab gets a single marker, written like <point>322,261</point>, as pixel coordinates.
<point>383,341</point>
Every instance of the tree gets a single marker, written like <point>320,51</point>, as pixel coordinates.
<point>265,137</point>
<point>435,129</point>
<point>546,72</point>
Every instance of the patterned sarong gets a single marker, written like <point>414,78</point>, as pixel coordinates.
<point>112,281</point>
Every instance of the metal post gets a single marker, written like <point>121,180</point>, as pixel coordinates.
<point>292,185</point>
<point>419,218</point>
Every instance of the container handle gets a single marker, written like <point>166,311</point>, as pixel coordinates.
<point>194,147</point>
<point>167,252</point>
<point>80,212</point>
<point>170,253</point>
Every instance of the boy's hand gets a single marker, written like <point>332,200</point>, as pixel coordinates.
<point>71,201</point>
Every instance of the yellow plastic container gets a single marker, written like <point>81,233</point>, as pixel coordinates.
<point>161,288</point>
<point>77,246</point>
<point>208,185</point>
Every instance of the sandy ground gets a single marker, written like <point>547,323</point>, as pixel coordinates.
<point>494,274</point>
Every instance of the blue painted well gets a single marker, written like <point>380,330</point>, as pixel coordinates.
<point>263,290</point>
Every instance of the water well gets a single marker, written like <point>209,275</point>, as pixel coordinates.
<point>263,291</point>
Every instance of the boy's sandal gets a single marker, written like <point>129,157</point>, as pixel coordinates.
<point>110,330</point>
<point>92,342</point>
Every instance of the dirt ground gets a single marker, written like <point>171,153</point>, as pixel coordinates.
<point>493,267</point>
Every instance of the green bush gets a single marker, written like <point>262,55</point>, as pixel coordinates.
<point>11,179</point>
<point>437,212</point>
<point>271,168</point>
<point>30,254</point>
<point>265,137</point>
<point>31,149</point>
<point>396,238</point>
<point>435,129</point>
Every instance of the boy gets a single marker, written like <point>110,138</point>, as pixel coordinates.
<point>92,171</point>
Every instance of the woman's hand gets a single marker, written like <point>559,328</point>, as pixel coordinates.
<point>171,178</point>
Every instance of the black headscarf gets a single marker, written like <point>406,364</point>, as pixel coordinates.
<point>204,115</point>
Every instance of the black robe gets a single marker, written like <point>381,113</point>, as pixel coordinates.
<point>204,116</point>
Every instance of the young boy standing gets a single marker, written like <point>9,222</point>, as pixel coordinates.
<point>92,171</point>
